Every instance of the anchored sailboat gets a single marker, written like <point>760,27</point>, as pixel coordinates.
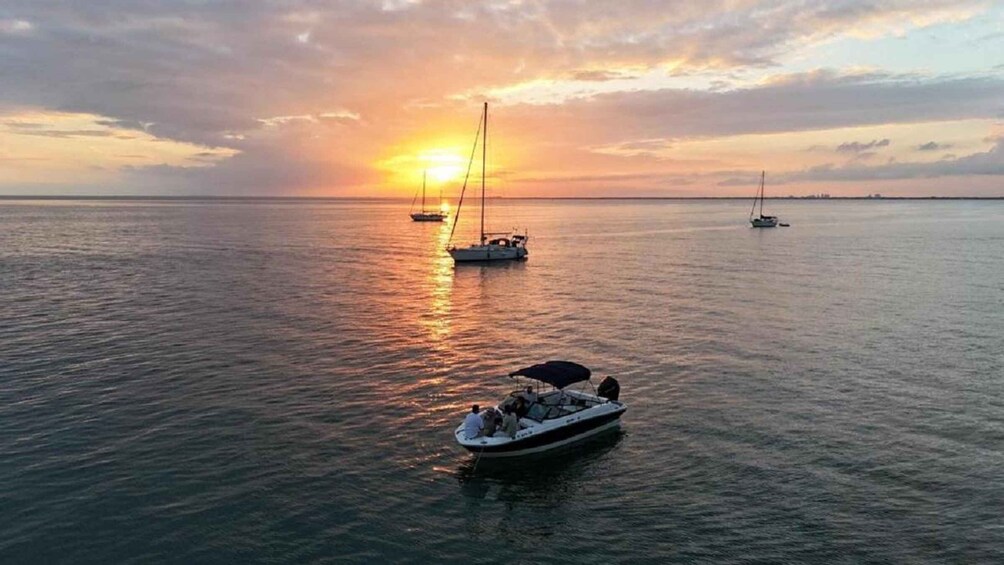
<point>498,246</point>
<point>762,221</point>
<point>430,216</point>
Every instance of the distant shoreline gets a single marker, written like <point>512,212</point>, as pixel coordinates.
<point>392,198</point>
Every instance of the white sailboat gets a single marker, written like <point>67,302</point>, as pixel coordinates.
<point>497,246</point>
<point>762,221</point>
<point>427,216</point>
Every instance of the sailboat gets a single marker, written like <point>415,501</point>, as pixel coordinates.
<point>762,221</point>
<point>497,246</point>
<point>427,216</point>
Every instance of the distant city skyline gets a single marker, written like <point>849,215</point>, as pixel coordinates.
<point>588,99</point>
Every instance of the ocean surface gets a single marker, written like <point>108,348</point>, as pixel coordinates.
<point>277,381</point>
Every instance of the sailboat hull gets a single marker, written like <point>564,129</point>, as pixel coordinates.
<point>428,217</point>
<point>485,253</point>
<point>768,222</point>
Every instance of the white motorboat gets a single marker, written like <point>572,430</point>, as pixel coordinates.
<point>548,419</point>
<point>499,246</point>
<point>424,215</point>
<point>761,221</point>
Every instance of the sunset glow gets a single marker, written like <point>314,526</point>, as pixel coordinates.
<point>902,98</point>
<point>442,165</point>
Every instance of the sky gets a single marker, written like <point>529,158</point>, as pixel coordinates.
<point>587,98</point>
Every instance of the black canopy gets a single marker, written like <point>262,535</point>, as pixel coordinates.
<point>555,373</point>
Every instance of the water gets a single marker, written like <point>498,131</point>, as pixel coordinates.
<point>277,381</point>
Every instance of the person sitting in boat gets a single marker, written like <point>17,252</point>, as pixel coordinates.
<point>510,423</point>
<point>491,420</point>
<point>520,408</point>
<point>529,396</point>
<point>473,424</point>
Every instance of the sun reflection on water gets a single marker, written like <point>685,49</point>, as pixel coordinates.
<point>440,280</point>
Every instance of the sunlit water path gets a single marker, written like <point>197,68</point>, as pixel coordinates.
<point>277,381</point>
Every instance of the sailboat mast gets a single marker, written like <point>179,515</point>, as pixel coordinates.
<point>762,173</point>
<point>424,173</point>
<point>484,157</point>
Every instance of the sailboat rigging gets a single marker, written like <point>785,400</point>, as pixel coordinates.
<point>761,221</point>
<point>427,216</point>
<point>498,246</point>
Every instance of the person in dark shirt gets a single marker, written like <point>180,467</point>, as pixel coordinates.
<point>521,407</point>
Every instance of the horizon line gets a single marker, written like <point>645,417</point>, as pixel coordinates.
<point>393,198</point>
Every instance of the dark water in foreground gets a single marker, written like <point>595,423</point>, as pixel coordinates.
<point>277,382</point>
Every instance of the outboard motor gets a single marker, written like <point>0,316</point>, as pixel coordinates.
<point>609,388</point>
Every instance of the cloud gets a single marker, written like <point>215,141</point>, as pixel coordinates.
<point>344,116</point>
<point>86,148</point>
<point>253,173</point>
<point>858,147</point>
<point>75,133</point>
<point>340,115</point>
<point>276,121</point>
<point>327,86</point>
<point>605,178</point>
<point>125,124</point>
<point>144,61</point>
<point>933,146</point>
<point>16,27</point>
<point>600,75</point>
<point>822,101</point>
<point>643,147</point>
<point>25,125</point>
<point>986,163</point>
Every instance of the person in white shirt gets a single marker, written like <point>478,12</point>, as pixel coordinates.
<point>529,395</point>
<point>473,424</point>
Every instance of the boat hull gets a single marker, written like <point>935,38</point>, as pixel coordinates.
<point>545,440</point>
<point>763,223</point>
<point>486,253</point>
<point>429,217</point>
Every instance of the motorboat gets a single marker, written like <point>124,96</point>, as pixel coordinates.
<point>762,221</point>
<point>549,418</point>
<point>501,246</point>
<point>427,215</point>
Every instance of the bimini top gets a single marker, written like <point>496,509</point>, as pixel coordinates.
<point>555,373</point>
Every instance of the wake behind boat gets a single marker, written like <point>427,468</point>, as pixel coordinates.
<point>498,246</point>
<point>543,420</point>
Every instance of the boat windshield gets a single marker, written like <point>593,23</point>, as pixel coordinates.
<point>555,405</point>
<point>549,405</point>
<point>537,411</point>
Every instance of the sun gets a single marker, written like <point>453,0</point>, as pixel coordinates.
<point>442,165</point>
